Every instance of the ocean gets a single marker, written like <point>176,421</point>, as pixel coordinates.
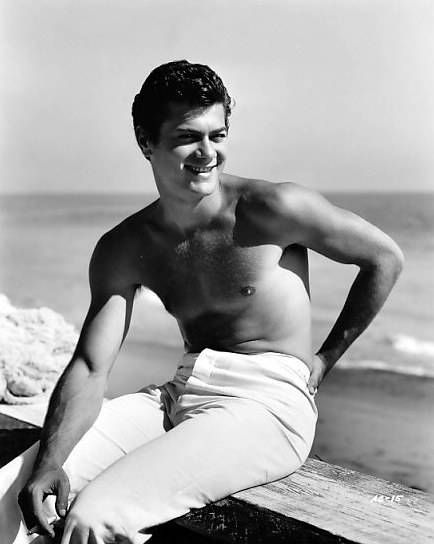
<point>46,242</point>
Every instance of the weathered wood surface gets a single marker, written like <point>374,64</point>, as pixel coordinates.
<point>320,503</point>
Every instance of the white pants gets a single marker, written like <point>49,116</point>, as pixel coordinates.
<point>225,422</point>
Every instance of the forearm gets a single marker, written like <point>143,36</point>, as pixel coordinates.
<point>367,295</point>
<point>74,406</point>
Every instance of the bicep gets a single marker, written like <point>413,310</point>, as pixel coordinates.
<point>109,315</point>
<point>339,234</point>
<point>103,332</point>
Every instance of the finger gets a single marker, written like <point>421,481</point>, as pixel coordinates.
<point>74,533</point>
<point>24,503</point>
<point>94,538</point>
<point>80,536</point>
<point>63,488</point>
<point>38,510</point>
<point>313,384</point>
<point>66,537</point>
<point>58,527</point>
<point>313,389</point>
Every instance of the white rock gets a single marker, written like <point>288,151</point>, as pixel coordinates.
<point>35,347</point>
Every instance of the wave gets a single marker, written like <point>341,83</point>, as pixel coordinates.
<point>420,370</point>
<point>419,360</point>
<point>412,345</point>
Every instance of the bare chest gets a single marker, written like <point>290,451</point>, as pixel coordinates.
<point>211,272</point>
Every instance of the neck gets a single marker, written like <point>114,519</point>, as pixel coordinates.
<point>191,214</point>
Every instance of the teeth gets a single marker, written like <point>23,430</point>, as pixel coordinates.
<point>202,170</point>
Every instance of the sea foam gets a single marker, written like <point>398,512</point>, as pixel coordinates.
<point>412,345</point>
<point>416,369</point>
<point>419,360</point>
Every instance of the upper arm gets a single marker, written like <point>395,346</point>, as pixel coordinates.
<point>109,314</point>
<point>314,222</point>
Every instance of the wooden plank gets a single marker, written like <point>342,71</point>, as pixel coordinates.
<point>321,503</point>
<point>232,520</point>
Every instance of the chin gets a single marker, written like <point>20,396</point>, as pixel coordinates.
<point>204,187</point>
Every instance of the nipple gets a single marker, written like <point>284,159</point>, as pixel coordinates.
<point>248,290</point>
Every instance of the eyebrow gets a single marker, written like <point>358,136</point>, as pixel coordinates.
<point>193,131</point>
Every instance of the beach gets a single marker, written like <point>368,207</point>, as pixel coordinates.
<point>377,423</point>
<point>374,406</point>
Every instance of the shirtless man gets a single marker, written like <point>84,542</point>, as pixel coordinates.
<point>228,258</point>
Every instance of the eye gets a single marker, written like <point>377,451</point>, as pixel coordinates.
<point>186,136</point>
<point>219,137</point>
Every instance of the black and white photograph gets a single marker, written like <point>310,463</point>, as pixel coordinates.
<point>216,271</point>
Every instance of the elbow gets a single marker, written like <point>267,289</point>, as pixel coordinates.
<point>396,259</point>
<point>87,367</point>
<point>391,260</point>
<point>400,260</point>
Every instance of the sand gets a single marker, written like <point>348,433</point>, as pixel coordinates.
<point>378,423</point>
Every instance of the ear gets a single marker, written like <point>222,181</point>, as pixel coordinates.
<point>144,142</point>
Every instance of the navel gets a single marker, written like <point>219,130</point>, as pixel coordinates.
<point>247,290</point>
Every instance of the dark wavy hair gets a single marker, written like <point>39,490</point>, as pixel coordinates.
<point>178,82</point>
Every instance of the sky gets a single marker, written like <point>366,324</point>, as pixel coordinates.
<point>336,95</point>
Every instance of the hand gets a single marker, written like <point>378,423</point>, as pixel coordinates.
<point>88,528</point>
<point>42,483</point>
<point>96,519</point>
<point>319,370</point>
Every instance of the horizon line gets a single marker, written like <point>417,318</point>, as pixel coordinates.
<point>136,193</point>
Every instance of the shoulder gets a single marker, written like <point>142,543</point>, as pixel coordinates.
<point>117,256</point>
<point>274,196</point>
<point>281,202</point>
<point>288,212</point>
<point>121,240</point>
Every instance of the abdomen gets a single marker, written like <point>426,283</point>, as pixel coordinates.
<point>275,318</point>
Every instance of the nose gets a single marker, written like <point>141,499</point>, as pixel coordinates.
<point>205,149</point>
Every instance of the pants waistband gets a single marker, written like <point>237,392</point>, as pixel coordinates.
<point>200,358</point>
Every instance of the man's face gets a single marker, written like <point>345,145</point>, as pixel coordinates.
<point>191,150</point>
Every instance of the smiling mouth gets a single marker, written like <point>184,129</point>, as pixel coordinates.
<point>200,169</point>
